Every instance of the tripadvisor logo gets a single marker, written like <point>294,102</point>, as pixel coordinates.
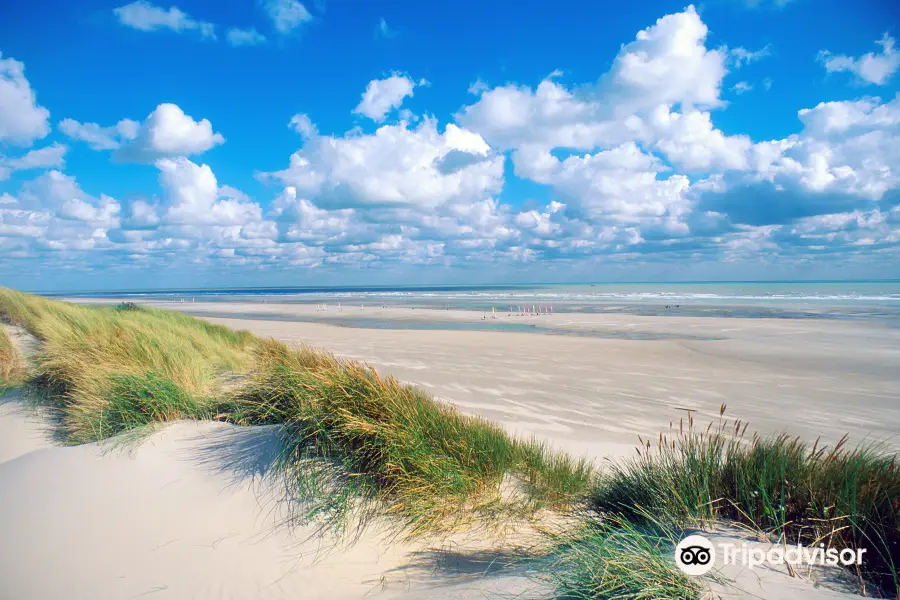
<point>696,555</point>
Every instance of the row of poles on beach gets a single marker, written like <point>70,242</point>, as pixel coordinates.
<point>519,310</point>
<point>534,310</point>
<point>324,307</point>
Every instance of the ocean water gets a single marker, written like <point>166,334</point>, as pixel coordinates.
<point>787,299</point>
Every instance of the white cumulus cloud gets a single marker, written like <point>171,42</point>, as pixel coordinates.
<point>669,63</point>
<point>100,138</point>
<point>40,158</point>
<point>145,16</point>
<point>396,166</point>
<point>384,95</point>
<point>287,15</point>
<point>168,131</point>
<point>873,68</point>
<point>828,118</point>
<point>244,37</point>
<point>193,196</point>
<point>22,120</point>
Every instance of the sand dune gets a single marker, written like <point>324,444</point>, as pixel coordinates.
<point>188,513</point>
<point>21,430</point>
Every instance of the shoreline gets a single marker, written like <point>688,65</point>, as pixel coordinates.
<point>886,310</point>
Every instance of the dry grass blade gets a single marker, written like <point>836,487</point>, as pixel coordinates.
<point>12,366</point>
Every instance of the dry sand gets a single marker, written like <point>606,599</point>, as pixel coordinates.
<point>187,513</point>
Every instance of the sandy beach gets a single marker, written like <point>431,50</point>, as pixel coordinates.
<point>188,512</point>
<point>593,383</point>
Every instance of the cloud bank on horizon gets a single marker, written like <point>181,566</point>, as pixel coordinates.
<point>624,166</point>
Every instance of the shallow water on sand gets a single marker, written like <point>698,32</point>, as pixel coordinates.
<point>431,325</point>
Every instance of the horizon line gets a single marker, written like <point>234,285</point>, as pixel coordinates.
<point>376,287</point>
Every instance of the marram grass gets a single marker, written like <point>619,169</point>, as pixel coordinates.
<point>616,558</point>
<point>426,462</point>
<point>12,368</point>
<point>843,497</point>
<point>350,433</point>
<point>93,357</point>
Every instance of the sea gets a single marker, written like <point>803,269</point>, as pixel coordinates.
<point>776,299</point>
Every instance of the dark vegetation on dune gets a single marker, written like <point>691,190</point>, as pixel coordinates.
<point>357,443</point>
<point>12,368</point>
<point>840,496</point>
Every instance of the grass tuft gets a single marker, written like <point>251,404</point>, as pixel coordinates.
<point>104,368</point>
<point>616,558</point>
<point>12,367</point>
<point>843,497</point>
<point>125,306</point>
<point>134,401</point>
<point>427,463</point>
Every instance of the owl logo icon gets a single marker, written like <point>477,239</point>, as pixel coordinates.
<point>695,555</point>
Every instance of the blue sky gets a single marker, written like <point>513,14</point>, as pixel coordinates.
<point>363,141</point>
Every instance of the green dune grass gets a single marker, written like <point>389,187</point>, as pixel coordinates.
<point>428,462</point>
<point>12,369</point>
<point>842,497</point>
<point>618,558</point>
<point>107,370</point>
